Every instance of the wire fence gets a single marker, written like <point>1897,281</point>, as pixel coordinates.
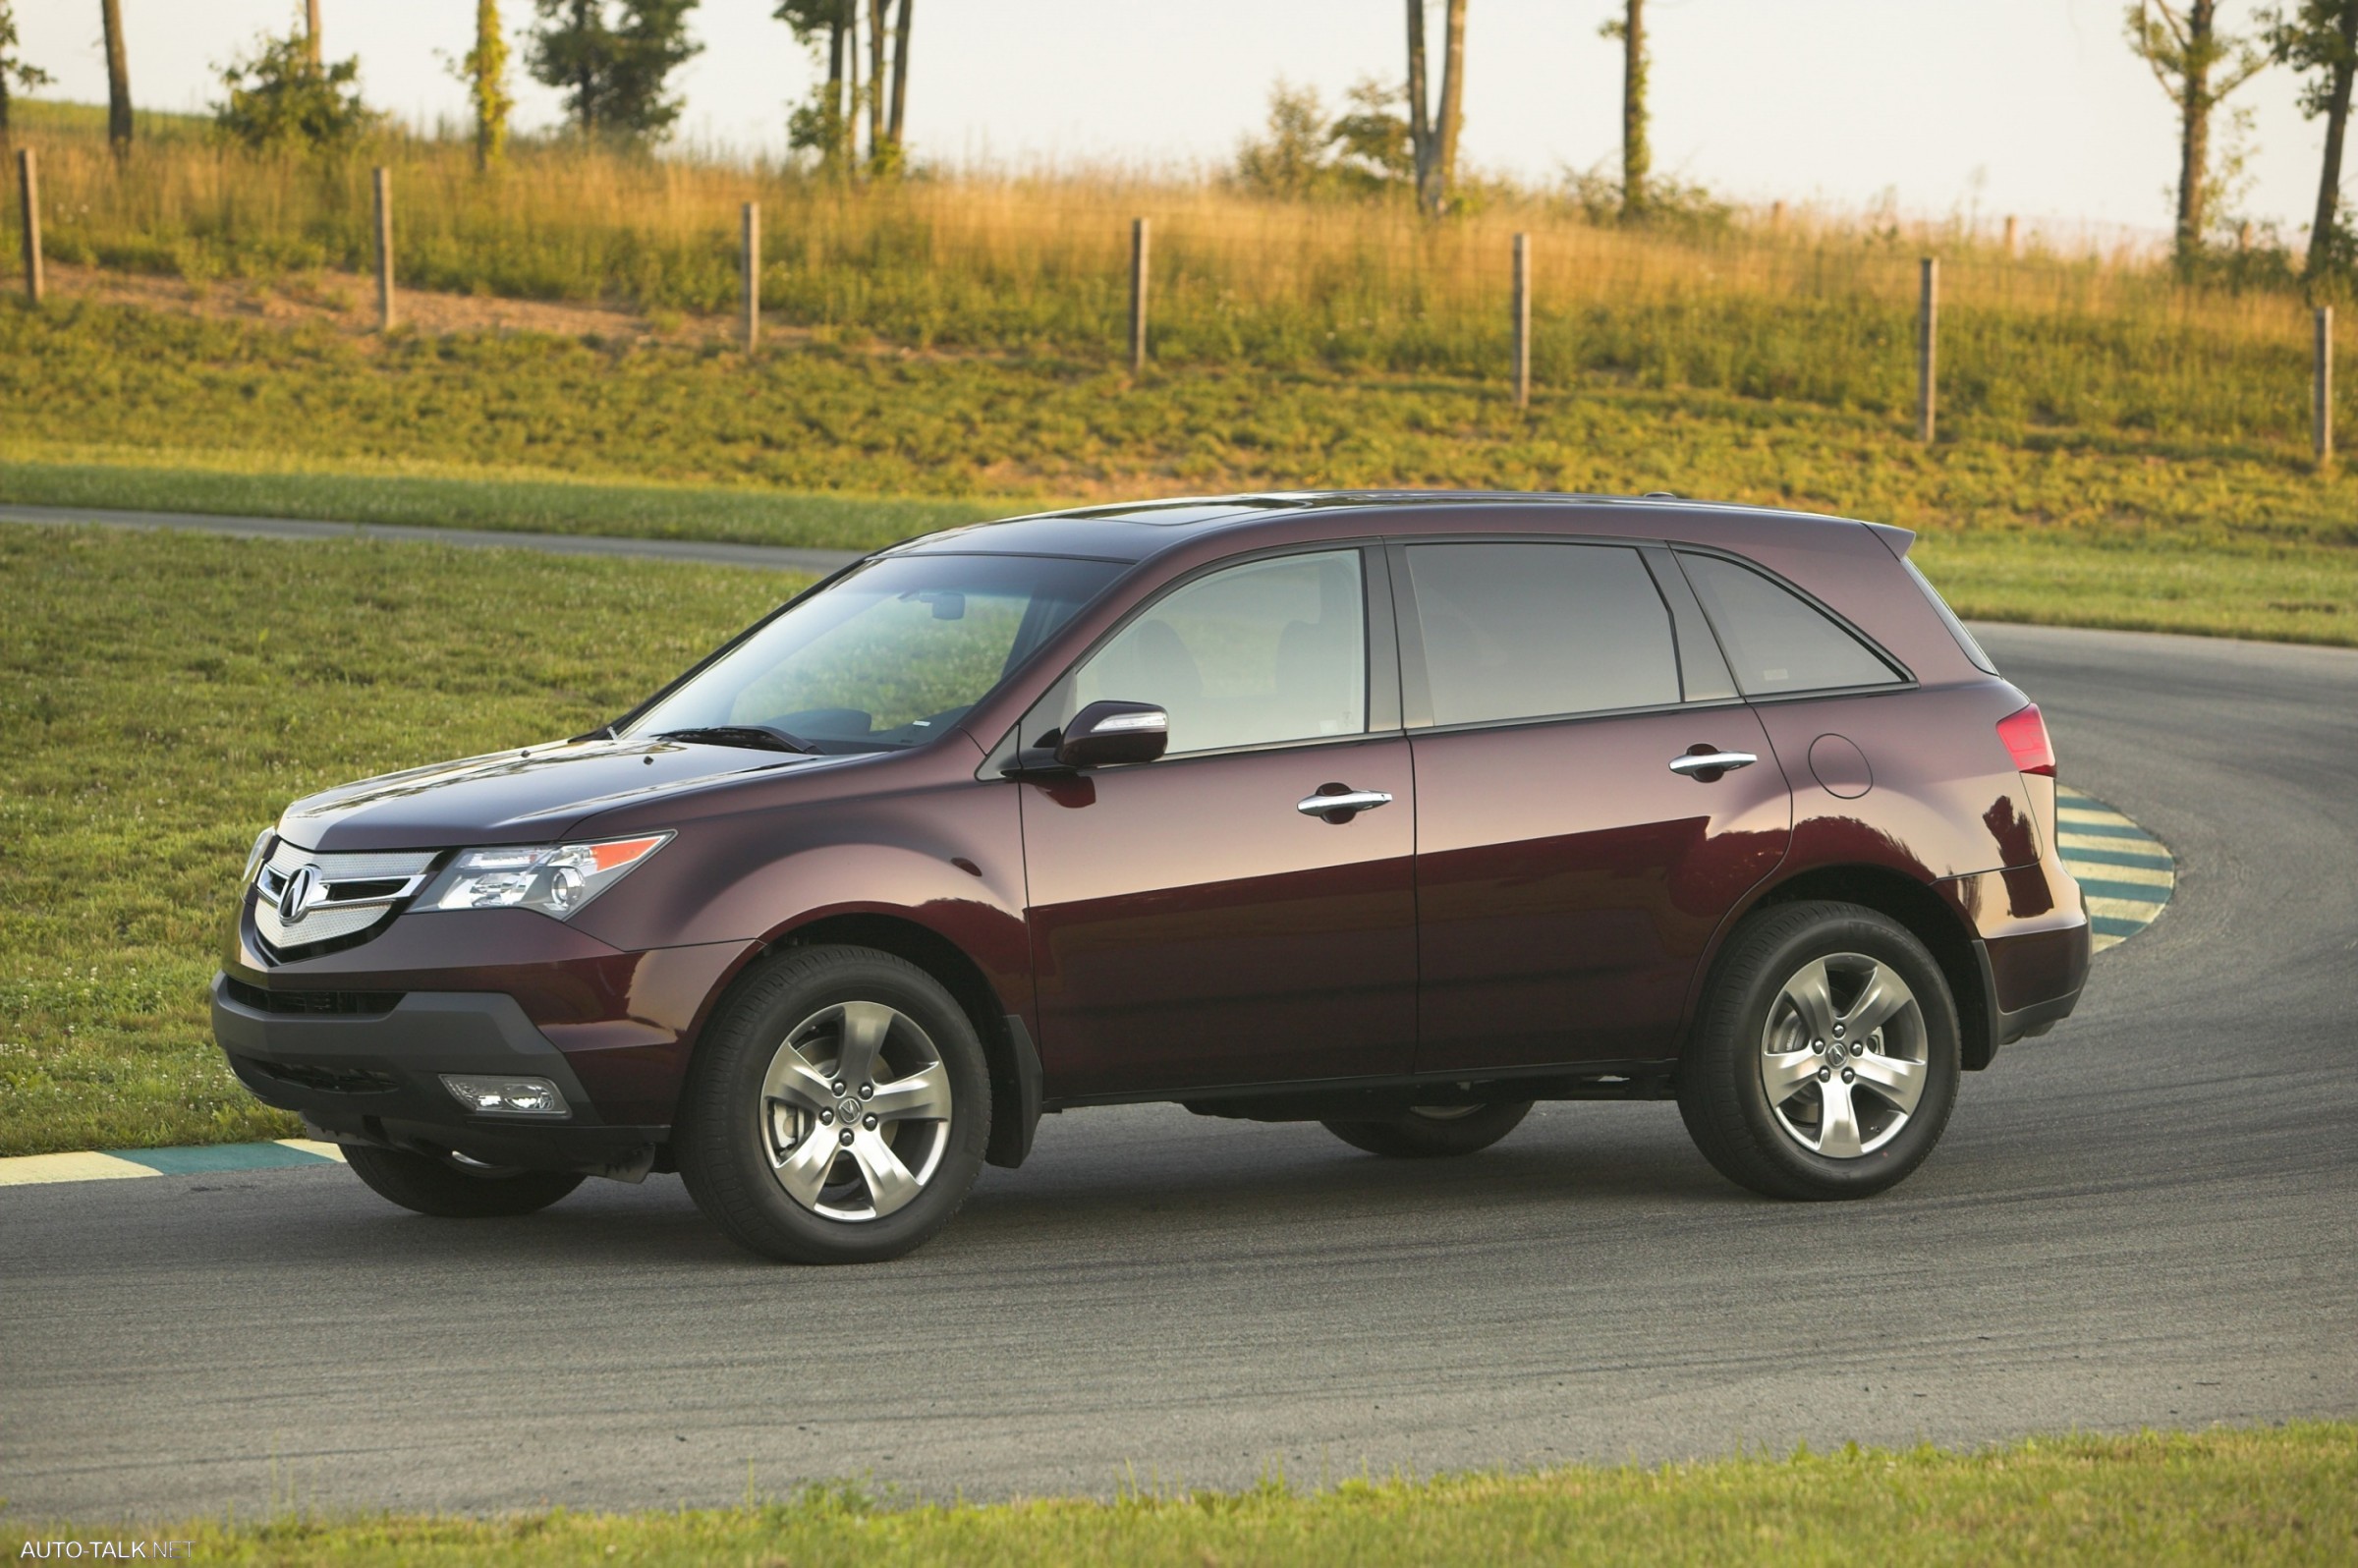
<point>2033,337</point>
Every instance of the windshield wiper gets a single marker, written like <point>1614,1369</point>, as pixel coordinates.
<point>760,737</point>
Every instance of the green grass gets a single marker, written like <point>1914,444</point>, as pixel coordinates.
<point>124,406</point>
<point>163,696</point>
<point>2283,1495</point>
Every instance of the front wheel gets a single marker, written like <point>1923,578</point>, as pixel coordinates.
<point>450,1189</point>
<point>1825,1062</point>
<point>1430,1132</point>
<point>837,1110</point>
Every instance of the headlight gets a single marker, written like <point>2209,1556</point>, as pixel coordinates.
<point>254,856</point>
<point>553,878</point>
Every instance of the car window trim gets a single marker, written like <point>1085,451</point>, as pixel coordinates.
<point>1416,682</point>
<point>1380,656</point>
<point>1907,677</point>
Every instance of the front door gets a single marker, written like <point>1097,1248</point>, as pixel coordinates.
<point>1568,881</point>
<point>1191,925</point>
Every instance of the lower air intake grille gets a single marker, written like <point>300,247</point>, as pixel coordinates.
<point>350,1004</point>
<point>330,1080</point>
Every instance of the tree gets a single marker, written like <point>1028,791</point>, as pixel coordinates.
<point>829,124</point>
<point>2198,66</point>
<point>484,70</point>
<point>2320,39</point>
<point>118,79</point>
<point>16,75</point>
<point>1373,147</point>
<point>1432,140</point>
<point>1636,157</point>
<point>824,125</point>
<point>1290,158</point>
<point>613,73</point>
<point>281,99</point>
<point>310,31</point>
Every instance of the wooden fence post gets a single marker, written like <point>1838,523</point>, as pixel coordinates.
<point>1138,295</point>
<point>385,250</point>
<point>753,274</point>
<point>28,187</point>
<point>1927,339</point>
<point>1522,321</point>
<point>2321,391</point>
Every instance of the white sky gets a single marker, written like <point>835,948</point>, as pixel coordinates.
<point>2027,106</point>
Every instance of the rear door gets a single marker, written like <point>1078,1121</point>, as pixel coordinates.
<point>1568,879</point>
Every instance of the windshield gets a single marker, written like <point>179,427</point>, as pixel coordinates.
<point>886,657</point>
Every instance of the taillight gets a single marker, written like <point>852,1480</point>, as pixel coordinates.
<point>2025,735</point>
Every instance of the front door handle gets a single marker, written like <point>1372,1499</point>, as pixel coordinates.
<point>1712,762</point>
<point>1342,806</point>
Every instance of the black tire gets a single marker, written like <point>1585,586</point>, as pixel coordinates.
<point>1435,1131</point>
<point>437,1187</point>
<point>727,1126</point>
<point>1722,1092</point>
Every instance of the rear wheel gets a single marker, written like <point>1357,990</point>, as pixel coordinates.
<point>450,1189</point>
<point>1430,1132</point>
<point>837,1110</point>
<point>1824,1063</point>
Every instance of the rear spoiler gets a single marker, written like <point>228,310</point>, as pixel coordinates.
<point>1896,541</point>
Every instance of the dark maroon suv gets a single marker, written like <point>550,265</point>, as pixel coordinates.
<point>1393,813</point>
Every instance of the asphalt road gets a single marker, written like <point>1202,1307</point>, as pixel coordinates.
<point>2143,1218</point>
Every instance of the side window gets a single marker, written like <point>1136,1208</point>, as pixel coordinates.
<point>1775,641</point>
<point>1269,652</point>
<point>1532,631</point>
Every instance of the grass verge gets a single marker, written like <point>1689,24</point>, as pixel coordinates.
<point>2273,1496</point>
<point>163,696</point>
<point>120,405</point>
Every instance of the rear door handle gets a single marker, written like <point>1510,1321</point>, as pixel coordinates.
<point>1712,762</point>
<point>1341,806</point>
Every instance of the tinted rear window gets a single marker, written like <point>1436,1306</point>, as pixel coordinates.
<point>1531,630</point>
<point>1775,641</point>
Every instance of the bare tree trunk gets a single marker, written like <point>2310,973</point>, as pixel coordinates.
<point>2194,122</point>
<point>878,11</point>
<point>118,79</point>
<point>1637,158</point>
<point>899,73</point>
<point>851,77</point>
<point>1452,116</point>
<point>311,32</point>
<point>1419,123</point>
<point>2322,239</point>
<point>587,82</point>
<point>840,123</point>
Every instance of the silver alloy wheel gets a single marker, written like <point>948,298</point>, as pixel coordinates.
<point>1844,1024</point>
<point>854,1112</point>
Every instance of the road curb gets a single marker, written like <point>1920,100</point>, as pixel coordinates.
<point>2126,873</point>
<point>199,1159</point>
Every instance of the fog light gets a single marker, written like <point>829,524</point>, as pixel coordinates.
<point>507,1096</point>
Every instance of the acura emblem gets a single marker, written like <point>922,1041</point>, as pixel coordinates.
<point>304,890</point>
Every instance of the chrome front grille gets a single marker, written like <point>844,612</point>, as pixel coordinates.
<point>360,891</point>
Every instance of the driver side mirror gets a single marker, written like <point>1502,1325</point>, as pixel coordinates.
<point>1112,734</point>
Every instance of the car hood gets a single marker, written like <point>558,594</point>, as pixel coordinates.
<point>531,795</point>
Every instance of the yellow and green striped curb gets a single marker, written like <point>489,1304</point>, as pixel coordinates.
<point>2125,872</point>
<point>205,1160</point>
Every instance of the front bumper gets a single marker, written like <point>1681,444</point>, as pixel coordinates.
<point>374,1077</point>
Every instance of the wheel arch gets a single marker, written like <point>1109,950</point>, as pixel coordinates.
<point>1014,1063</point>
<point>1926,916</point>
